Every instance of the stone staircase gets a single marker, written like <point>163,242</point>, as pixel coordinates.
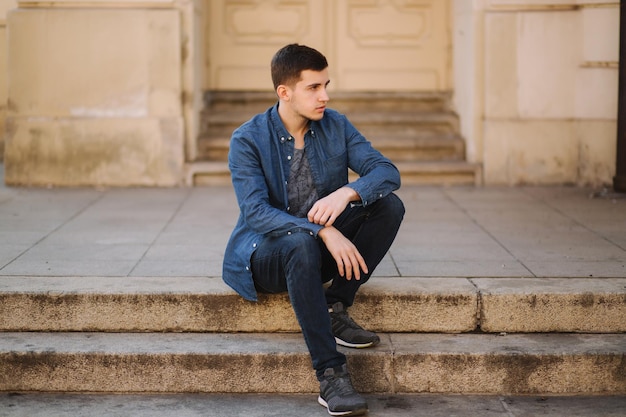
<point>193,334</point>
<point>418,131</point>
<point>111,302</point>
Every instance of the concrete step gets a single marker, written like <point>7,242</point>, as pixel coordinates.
<point>408,122</point>
<point>222,123</point>
<point>290,405</point>
<point>384,304</point>
<point>264,363</point>
<point>405,126</point>
<point>376,126</point>
<point>216,173</point>
<point>440,173</point>
<point>400,147</point>
<point>254,102</point>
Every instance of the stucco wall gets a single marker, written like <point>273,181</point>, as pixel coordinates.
<point>5,6</point>
<point>94,97</point>
<point>109,93</point>
<point>539,102</point>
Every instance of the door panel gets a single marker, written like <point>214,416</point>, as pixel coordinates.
<point>243,35</point>
<point>392,45</point>
<point>372,45</point>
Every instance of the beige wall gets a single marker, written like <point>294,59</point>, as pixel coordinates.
<point>537,91</point>
<point>95,95</point>
<point>5,6</point>
<point>109,93</point>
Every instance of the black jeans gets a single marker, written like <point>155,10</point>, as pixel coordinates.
<point>300,264</point>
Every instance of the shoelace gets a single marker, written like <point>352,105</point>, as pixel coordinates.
<point>347,320</point>
<point>342,385</point>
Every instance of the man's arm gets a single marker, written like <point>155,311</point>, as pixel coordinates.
<point>350,263</point>
<point>326,210</point>
<point>377,175</point>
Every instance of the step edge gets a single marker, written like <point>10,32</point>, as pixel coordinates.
<point>243,363</point>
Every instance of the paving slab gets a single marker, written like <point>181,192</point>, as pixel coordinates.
<point>448,232</point>
<point>301,405</point>
<point>402,363</point>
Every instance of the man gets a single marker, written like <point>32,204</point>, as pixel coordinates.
<point>302,223</point>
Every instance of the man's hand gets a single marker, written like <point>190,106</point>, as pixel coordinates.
<point>326,210</point>
<point>350,263</point>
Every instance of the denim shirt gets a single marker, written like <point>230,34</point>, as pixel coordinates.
<point>260,153</point>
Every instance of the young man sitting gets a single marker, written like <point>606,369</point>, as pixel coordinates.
<point>302,223</point>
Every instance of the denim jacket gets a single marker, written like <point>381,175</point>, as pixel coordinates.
<point>259,158</point>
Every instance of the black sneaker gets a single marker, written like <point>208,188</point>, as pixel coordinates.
<point>338,395</point>
<point>347,332</point>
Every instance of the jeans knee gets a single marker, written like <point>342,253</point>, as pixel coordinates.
<point>304,250</point>
<point>394,206</point>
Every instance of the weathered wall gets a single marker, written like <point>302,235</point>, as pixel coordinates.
<point>538,100</point>
<point>96,92</point>
<point>5,6</point>
<point>94,96</point>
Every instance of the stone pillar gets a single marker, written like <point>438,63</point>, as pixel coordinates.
<point>468,84</point>
<point>535,86</point>
<point>619,180</point>
<point>95,94</point>
<point>5,6</point>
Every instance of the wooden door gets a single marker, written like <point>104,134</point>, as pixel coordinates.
<point>371,45</point>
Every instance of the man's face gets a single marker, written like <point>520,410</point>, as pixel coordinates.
<point>309,95</point>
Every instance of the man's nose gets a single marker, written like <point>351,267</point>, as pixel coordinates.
<point>324,95</point>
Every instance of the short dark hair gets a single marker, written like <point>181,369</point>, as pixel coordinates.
<point>289,62</point>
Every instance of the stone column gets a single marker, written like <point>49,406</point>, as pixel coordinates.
<point>619,180</point>
<point>5,6</point>
<point>95,94</point>
<point>535,86</point>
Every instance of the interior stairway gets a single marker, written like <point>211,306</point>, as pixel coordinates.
<point>418,131</point>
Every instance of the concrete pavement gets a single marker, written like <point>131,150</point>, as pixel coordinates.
<point>522,233</point>
<point>305,405</point>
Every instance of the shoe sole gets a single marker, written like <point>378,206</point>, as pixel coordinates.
<point>355,345</point>
<point>357,412</point>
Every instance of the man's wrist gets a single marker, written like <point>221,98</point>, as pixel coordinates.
<point>351,194</point>
<point>323,231</point>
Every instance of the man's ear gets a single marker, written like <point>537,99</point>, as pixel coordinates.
<point>283,92</point>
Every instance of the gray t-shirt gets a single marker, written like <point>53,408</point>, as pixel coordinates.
<point>301,190</point>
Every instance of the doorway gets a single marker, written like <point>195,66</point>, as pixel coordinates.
<point>371,45</point>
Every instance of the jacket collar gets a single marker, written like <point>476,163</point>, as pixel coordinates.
<point>279,128</point>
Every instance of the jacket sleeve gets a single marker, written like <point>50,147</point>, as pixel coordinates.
<point>378,176</point>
